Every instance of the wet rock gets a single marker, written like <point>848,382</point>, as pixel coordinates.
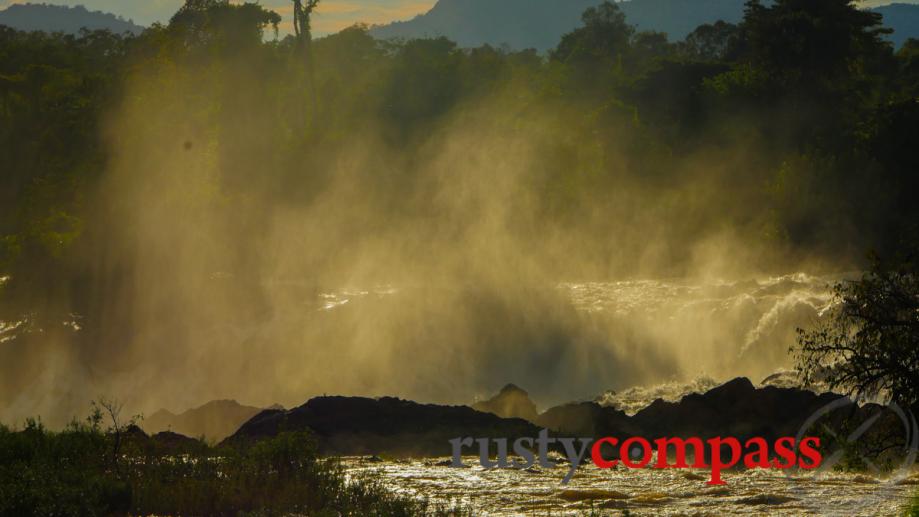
<point>766,499</point>
<point>614,504</point>
<point>651,498</point>
<point>591,494</point>
<point>736,408</point>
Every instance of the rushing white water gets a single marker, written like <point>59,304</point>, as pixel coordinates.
<point>716,329</point>
<point>694,333</point>
<point>648,491</point>
<point>627,341</point>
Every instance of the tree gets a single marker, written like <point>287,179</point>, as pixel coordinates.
<point>869,345</point>
<point>908,61</point>
<point>218,22</point>
<point>111,410</point>
<point>302,15</point>
<point>304,35</point>
<point>605,36</point>
<point>812,47</point>
<point>711,41</point>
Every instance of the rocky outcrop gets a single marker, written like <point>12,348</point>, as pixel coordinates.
<point>390,426</point>
<point>176,442</point>
<point>584,419</point>
<point>510,402</point>
<point>214,421</point>
<point>384,426</point>
<point>735,408</point>
<point>134,438</point>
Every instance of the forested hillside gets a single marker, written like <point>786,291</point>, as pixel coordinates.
<point>57,18</point>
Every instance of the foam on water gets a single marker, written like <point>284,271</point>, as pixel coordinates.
<point>717,329</point>
<point>498,492</point>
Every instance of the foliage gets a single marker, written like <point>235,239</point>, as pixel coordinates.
<point>74,472</point>
<point>796,128</point>
<point>870,344</point>
<point>611,106</point>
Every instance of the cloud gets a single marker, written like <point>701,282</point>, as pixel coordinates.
<point>331,16</point>
<point>335,15</point>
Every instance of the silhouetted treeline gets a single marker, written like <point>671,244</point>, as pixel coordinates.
<point>795,130</point>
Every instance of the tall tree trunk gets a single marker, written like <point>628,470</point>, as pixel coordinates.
<point>303,32</point>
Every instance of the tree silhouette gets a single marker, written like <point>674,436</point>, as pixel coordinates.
<point>303,30</point>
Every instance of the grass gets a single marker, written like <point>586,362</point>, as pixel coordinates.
<point>913,509</point>
<point>86,470</point>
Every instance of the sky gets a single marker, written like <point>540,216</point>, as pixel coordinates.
<point>331,16</point>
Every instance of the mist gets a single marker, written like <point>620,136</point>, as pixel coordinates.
<point>413,232</point>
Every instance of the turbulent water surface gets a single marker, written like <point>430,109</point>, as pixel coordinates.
<point>725,328</point>
<point>642,492</point>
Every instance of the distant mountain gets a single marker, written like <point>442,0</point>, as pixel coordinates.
<point>58,18</point>
<point>471,23</point>
<point>510,402</point>
<point>903,19</point>
<point>677,18</point>
<point>540,24</point>
<point>215,420</point>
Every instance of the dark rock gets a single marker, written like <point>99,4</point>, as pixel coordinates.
<point>736,408</point>
<point>584,419</point>
<point>175,442</point>
<point>766,499</point>
<point>363,426</point>
<point>134,432</point>
<point>134,439</point>
<point>133,436</point>
<point>358,426</point>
